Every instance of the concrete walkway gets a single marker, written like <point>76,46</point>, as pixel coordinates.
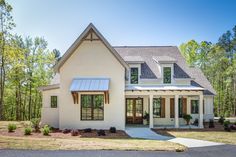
<point>146,133</point>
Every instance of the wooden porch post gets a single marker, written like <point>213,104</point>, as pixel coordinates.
<point>150,111</point>
<point>176,111</point>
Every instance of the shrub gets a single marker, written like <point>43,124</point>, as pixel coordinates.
<point>211,123</point>
<point>88,130</point>
<point>46,130</point>
<point>227,125</point>
<point>187,118</point>
<point>195,122</point>
<point>35,124</point>
<point>11,127</point>
<point>221,120</point>
<point>101,132</point>
<point>66,131</point>
<point>74,132</point>
<point>112,129</point>
<point>28,131</point>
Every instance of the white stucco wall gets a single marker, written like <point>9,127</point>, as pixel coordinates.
<point>92,59</point>
<point>50,116</point>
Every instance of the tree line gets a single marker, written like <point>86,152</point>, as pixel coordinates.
<point>25,64</point>
<point>218,63</point>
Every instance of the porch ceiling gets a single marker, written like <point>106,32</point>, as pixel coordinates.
<point>162,88</point>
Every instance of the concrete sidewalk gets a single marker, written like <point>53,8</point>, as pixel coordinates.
<point>146,133</point>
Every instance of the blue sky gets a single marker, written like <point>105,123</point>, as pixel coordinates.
<point>124,22</point>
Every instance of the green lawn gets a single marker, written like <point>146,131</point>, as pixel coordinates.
<point>215,136</point>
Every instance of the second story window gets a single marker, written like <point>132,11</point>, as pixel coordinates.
<point>134,76</point>
<point>167,75</point>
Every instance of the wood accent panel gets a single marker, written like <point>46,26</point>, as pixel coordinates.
<point>184,106</point>
<point>163,109</point>
<point>172,108</point>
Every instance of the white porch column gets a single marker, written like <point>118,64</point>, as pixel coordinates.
<point>150,111</point>
<point>200,123</point>
<point>176,111</point>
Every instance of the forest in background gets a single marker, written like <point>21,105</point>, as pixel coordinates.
<point>218,62</point>
<point>25,64</point>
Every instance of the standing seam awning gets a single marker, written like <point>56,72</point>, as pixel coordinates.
<point>89,85</point>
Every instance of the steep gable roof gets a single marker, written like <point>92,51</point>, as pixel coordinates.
<point>149,68</point>
<point>90,29</point>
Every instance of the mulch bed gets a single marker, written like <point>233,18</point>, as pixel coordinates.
<point>58,134</point>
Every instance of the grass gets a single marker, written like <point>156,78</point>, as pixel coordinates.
<point>215,136</point>
<point>10,141</point>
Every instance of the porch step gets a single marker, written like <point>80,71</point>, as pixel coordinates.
<point>145,133</point>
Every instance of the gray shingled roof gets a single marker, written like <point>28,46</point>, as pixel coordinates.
<point>149,69</point>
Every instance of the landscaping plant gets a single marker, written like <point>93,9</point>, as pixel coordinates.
<point>11,127</point>
<point>88,130</point>
<point>46,130</point>
<point>221,120</point>
<point>35,124</point>
<point>187,118</point>
<point>74,132</point>
<point>227,125</point>
<point>28,131</point>
<point>211,123</point>
<point>112,129</point>
<point>66,131</point>
<point>101,132</point>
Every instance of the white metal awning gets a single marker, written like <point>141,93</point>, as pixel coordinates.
<point>162,87</point>
<point>89,84</point>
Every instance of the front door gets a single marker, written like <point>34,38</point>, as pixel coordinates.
<point>134,111</point>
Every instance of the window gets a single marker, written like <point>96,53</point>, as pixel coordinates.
<point>194,106</point>
<point>92,107</point>
<point>53,101</point>
<point>182,107</point>
<point>134,76</point>
<point>157,107</point>
<point>167,74</point>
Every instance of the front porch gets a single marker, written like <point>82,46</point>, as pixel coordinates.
<point>165,108</point>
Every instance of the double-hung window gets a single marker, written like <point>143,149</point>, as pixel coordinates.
<point>92,107</point>
<point>134,76</point>
<point>194,106</point>
<point>166,75</point>
<point>157,107</point>
<point>53,101</point>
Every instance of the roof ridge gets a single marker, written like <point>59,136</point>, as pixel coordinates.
<point>142,46</point>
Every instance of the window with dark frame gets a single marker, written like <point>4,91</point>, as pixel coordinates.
<point>134,75</point>
<point>167,75</point>
<point>157,107</point>
<point>180,108</point>
<point>92,107</point>
<point>194,106</point>
<point>53,101</point>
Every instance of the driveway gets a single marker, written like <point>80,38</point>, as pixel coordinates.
<point>146,133</point>
<point>211,151</point>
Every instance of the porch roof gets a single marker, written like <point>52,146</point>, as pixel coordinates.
<point>162,87</point>
<point>89,84</point>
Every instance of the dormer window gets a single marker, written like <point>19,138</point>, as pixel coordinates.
<point>166,75</point>
<point>134,75</point>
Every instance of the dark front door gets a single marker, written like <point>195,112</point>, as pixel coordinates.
<point>134,111</point>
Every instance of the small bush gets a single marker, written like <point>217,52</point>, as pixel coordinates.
<point>74,133</point>
<point>211,123</point>
<point>221,120</point>
<point>11,127</point>
<point>101,132</point>
<point>28,131</point>
<point>66,131</point>
<point>46,130</point>
<point>87,130</point>
<point>35,124</point>
<point>227,125</point>
<point>112,129</point>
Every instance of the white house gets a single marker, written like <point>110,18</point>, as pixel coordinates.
<point>99,86</point>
